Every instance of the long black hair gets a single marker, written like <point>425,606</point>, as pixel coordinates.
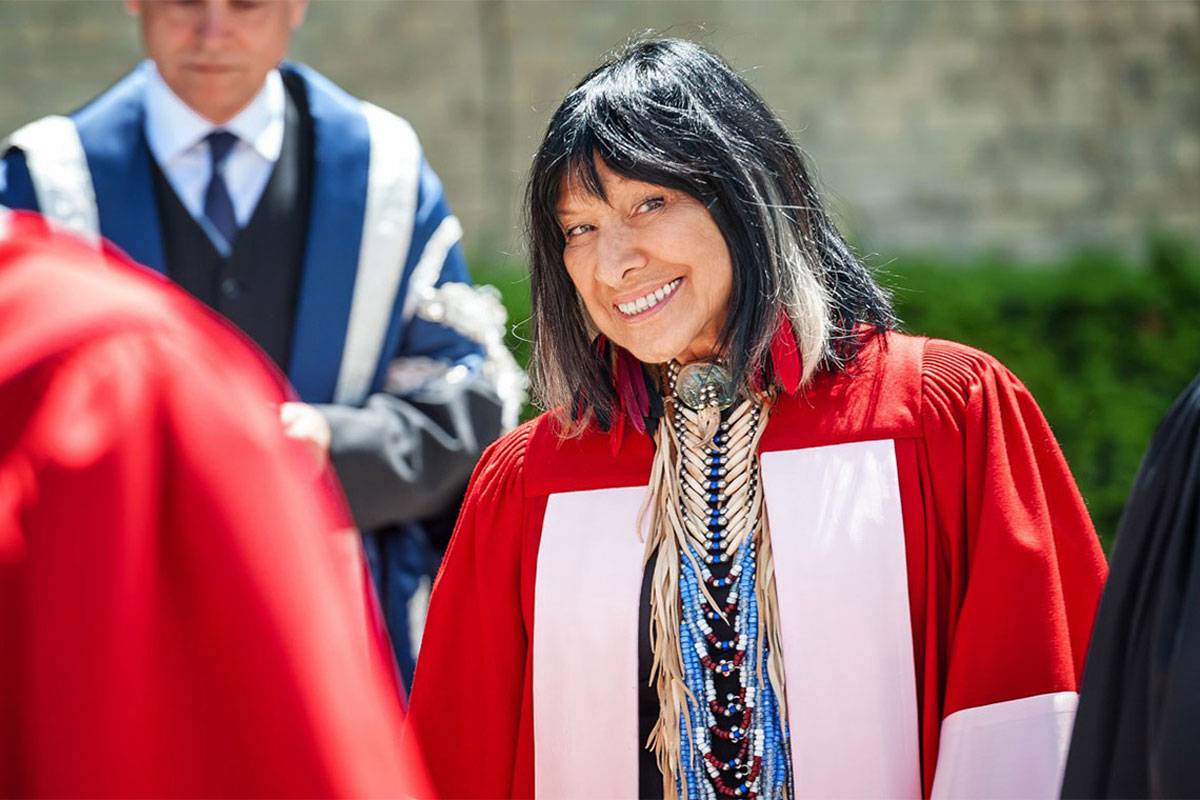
<point>671,113</point>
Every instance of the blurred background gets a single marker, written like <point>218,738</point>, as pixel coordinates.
<point>1024,175</point>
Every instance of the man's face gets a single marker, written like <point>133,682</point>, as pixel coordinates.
<point>215,54</point>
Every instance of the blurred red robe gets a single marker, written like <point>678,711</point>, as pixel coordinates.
<point>181,606</point>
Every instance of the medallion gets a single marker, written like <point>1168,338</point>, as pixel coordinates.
<point>704,384</point>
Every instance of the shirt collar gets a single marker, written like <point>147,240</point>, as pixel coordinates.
<point>172,127</point>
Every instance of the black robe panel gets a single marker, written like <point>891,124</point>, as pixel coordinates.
<point>1137,731</point>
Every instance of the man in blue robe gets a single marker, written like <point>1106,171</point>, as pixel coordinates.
<point>311,220</point>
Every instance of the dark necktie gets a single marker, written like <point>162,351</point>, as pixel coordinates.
<point>218,207</point>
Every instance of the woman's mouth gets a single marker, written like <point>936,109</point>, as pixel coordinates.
<point>642,304</point>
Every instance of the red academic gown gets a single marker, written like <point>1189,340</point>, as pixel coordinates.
<point>937,576</point>
<point>181,609</point>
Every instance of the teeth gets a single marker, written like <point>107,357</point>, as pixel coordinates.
<point>649,300</point>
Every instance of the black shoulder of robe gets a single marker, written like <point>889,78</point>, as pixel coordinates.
<point>1137,731</point>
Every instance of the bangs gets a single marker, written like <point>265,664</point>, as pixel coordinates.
<point>579,173</point>
<point>637,134</point>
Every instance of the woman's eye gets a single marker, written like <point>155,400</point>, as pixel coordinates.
<point>651,204</point>
<point>576,230</point>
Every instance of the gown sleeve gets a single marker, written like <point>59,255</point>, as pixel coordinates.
<point>1018,572</point>
<point>470,707</point>
<point>407,452</point>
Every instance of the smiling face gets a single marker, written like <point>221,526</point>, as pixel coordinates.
<point>651,267</point>
<point>215,54</point>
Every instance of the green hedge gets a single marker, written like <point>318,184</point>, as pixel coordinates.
<point>1104,342</point>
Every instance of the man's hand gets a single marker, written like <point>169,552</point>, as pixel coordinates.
<point>305,424</point>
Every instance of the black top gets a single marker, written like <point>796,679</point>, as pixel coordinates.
<point>650,777</point>
<point>256,287</point>
<point>1137,731</point>
<point>650,786</point>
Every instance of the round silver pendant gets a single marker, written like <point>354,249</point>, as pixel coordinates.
<point>702,383</point>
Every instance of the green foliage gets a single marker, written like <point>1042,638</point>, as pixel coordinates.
<point>1104,343</point>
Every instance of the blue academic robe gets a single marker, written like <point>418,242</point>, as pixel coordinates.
<point>112,131</point>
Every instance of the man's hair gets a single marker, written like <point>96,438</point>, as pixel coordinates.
<point>669,112</point>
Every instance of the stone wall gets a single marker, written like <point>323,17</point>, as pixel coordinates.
<point>1027,127</point>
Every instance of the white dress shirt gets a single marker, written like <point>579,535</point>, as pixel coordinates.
<point>176,134</point>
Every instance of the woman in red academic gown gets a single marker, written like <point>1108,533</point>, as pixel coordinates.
<point>765,546</point>
<point>179,614</point>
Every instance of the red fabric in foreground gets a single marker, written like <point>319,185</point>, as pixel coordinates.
<point>180,600</point>
<point>1004,566</point>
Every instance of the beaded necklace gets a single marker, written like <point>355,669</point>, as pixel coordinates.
<point>722,730</point>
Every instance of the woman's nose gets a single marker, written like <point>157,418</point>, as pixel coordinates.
<point>619,253</point>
